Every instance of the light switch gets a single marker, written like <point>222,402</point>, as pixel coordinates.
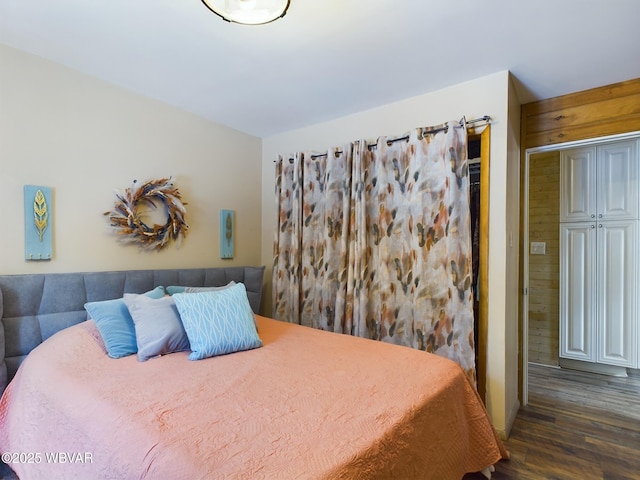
<point>538,248</point>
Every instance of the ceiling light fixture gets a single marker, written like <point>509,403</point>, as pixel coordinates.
<point>248,12</point>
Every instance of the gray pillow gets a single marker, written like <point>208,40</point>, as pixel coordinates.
<point>159,330</point>
<point>171,289</point>
<point>208,289</point>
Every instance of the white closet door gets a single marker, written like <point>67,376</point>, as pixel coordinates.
<point>617,292</point>
<point>578,184</point>
<point>577,287</point>
<point>617,184</point>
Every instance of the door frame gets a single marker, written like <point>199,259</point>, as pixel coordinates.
<point>524,331</point>
<point>483,134</point>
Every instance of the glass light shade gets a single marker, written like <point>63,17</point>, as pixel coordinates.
<point>248,12</point>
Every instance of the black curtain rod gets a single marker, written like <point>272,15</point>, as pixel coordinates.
<point>425,130</point>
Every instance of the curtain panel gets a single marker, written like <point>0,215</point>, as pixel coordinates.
<point>375,241</point>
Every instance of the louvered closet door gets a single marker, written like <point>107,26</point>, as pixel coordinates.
<point>616,292</point>
<point>577,287</point>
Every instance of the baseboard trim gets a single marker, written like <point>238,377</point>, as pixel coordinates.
<point>600,368</point>
<point>510,419</point>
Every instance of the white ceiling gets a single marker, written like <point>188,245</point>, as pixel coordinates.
<point>328,58</point>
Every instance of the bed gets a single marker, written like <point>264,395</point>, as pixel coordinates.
<point>303,403</point>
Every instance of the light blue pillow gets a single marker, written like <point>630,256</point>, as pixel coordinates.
<point>173,289</point>
<point>218,322</point>
<point>158,327</point>
<point>116,325</point>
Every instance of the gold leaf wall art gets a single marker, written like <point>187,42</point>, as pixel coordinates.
<point>40,213</point>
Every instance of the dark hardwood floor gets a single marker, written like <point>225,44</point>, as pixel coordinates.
<point>577,426</point>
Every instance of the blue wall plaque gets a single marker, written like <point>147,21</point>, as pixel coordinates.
<point>38,222</point>
<point>227,224</point>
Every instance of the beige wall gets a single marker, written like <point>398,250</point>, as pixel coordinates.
<point>491,95</point>
<point>87,139</point>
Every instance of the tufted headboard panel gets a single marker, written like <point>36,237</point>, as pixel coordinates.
<point>35,306</point>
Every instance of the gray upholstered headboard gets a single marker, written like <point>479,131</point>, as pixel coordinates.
<point>35,306</point>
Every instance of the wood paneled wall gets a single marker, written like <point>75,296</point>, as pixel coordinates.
<point>579,116</point>
<point>544,270</point>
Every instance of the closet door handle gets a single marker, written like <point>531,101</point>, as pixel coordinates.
<point>593,226</point>
<point>593,215</point>
<point>600,216</point>
<point>600,226</point>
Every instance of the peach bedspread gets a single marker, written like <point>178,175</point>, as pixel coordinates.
<point>307,405</point>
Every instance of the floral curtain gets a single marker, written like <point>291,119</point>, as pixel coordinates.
<point>375,242</point>
<point>311,246</point>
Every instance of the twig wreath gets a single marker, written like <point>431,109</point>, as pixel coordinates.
<point>126,217</point>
